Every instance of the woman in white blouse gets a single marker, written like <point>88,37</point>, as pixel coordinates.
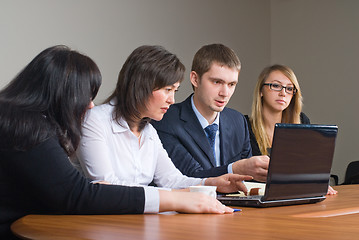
<point>119,145</point>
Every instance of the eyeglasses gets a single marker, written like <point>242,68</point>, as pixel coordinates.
<point>277,87</point>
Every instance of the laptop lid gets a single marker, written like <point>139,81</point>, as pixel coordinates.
<point>301,161</point>
<point>299,168</point>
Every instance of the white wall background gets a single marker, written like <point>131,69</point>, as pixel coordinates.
<point>318,39</point>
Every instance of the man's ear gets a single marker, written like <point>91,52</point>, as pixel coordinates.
<point>194,79</point>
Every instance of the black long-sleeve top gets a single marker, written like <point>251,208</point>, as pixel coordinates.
<point>254,144</point>
<point>43,181</point>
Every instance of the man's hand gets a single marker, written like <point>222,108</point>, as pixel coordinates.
<point>229,182</point>
<point>256,166</point>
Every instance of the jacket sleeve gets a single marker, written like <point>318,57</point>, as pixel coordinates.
<point>181,156</point>
<point>48,178</point>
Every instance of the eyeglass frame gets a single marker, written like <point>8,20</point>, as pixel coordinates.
<point>285,88</point>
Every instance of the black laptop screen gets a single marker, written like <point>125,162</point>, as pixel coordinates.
<point>301,160</point>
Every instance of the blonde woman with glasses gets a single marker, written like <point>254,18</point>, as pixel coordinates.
<point>277,98</point>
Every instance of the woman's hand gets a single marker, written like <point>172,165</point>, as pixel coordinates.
<point>229,182</point>
<point>331,191</point>
<point>190,202</point>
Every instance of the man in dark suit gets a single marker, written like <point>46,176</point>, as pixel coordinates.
<point>203,137</point>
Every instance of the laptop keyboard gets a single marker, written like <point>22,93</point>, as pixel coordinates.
<point>254,197</point>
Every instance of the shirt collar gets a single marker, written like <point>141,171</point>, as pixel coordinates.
<point>122,126</point>
<point>204,123</point>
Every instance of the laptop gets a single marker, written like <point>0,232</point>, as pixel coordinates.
<point>299,168</point>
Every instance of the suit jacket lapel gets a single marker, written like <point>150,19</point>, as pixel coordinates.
<point>224,139</point>
<point>194,129</point>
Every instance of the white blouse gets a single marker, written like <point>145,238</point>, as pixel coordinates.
<point>111,152</point>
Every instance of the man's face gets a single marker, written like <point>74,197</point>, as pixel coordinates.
<point>214,89</point>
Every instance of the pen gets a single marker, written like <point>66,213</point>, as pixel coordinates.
<point>236,210</point>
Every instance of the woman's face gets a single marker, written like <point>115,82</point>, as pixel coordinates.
<point>276,100</point>
<point>160,101</point>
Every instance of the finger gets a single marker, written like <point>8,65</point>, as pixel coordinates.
<point>238,177</point>
<point>247,178</point>
<point>216,206</point>
<point>223,181</point>
<point>228,209</point>
<point>242,187</point>
<point>331,191</point>
<point>223,208</point>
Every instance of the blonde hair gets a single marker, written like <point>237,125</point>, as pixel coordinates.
<point>290,115</point>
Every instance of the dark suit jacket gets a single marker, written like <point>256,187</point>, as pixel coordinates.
<point>186,143</point>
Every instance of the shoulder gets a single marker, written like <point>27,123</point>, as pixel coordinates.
<point>150,131</point>
<point>249,125</point>
<point>174,111</point>
<point>103,111</point>
<point>304,119</point>
<point>100,115</point>
<point>22,129</point>
<point>46,148</point>
<point>246,117</point>
<point>178,109</point>
<point>172,116</point>
<point>229,114</point>
<point>50,145</point>
<point>232,112</point>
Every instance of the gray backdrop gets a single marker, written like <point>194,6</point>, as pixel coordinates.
<point>317,39</point>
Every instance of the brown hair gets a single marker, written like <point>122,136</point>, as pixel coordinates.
<point>148,68</point>
<point>208,54</point>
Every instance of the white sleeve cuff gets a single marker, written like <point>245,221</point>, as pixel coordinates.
<point>229,169</point>
<point>152,200</point>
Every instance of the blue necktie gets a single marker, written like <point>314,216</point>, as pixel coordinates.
<point>211,131</point>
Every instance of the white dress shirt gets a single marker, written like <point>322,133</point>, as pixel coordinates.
<point>109,151</point>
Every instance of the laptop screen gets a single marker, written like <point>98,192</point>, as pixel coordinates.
<point>301,160</point>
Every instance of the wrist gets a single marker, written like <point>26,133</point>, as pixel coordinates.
<point>208,182</point>
<point>203,181</point>
<point>238,166</point>
<point>167,201</point>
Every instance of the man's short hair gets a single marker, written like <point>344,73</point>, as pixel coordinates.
<point>214,53</point>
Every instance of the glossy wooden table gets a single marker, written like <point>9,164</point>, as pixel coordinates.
<point>337,217</point>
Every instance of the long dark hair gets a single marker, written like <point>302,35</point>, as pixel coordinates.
<point>49,97</point>
<point>148,68</point>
